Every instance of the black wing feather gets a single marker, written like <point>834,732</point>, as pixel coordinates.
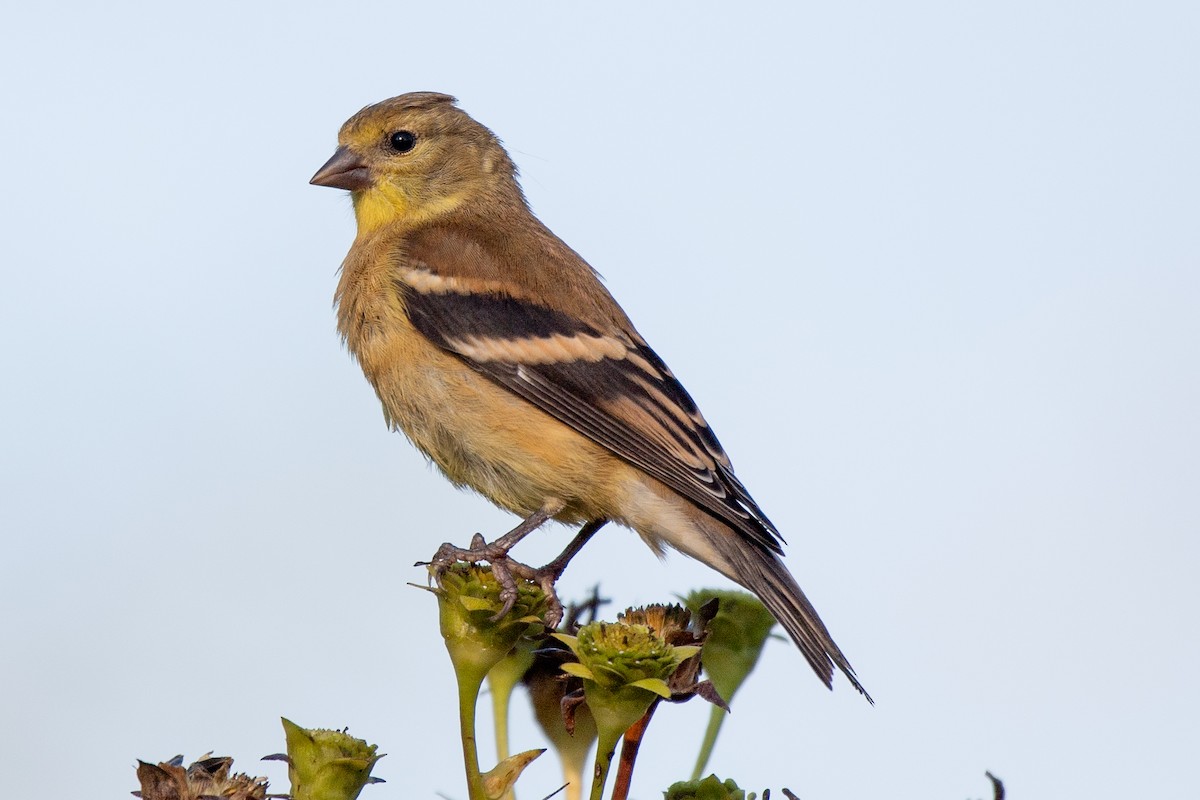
<point>584,394</point>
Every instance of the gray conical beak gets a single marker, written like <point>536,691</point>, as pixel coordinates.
<point>344,171</point>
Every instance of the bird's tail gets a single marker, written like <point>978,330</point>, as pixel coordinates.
<point>662,516</point>
<point>765,575</point>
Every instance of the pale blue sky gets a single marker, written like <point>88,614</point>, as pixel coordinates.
<point>932,271</point>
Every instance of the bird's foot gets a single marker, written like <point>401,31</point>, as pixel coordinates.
<point>504,568</point>
<point>495,554</point>
<point>508,570</point>
<point>545,578</point>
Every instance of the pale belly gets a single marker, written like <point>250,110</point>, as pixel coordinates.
<point>482,436</point>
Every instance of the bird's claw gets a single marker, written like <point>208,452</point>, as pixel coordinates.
<point>554,606</point>
<point>545,578</point>
<point>448,555</point>
<point>502,571</point>
<point>505,569</point>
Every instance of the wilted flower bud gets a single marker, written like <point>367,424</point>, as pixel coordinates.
<point>670,622</point>
<point>208,777</point>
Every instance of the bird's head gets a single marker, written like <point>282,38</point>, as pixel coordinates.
<point>413,158</point>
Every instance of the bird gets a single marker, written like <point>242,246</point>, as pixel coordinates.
<point>498,352</point>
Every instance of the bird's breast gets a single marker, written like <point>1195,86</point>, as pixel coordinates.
<point>476,432</point>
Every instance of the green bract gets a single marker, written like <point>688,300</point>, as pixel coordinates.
<point>736,636</point>
<point>498,781</point>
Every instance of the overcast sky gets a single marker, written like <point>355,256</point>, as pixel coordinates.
<point>932,270</point>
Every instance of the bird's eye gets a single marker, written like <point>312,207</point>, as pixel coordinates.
<point>403,141</point>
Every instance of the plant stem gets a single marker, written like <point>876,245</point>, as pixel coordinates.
<point>605,749</point>
<point>501,694</point>
<point>500,697</point>
<point>469,682</point>
<point>716,718</point>
<point>573,776</point>
<point>629,751</point>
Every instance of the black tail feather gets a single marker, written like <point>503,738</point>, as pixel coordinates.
<point>765,575</point>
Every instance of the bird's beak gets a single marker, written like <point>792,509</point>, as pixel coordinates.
<point>344,171</point>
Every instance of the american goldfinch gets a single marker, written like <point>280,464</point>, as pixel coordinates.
<point>494,347</point>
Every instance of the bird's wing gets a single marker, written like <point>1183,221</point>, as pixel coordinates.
<point>607,385</point>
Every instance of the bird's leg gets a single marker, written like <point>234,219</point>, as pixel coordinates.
<point>548,575</point>
<point>480,550</point>
<point>555,568</point>
<point>530,524</point>
<point>495,554</point>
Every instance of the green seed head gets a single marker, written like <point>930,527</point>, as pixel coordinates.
<point>468,604</point>
<point>618,654</point>
<point>710,788</point>
<point>624,669</point>
<point>327,765</point>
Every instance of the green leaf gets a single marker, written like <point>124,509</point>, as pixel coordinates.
<point>570,641</point>
<point>578,670</point>
<point>474,603</point>
<point>656,685</point>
